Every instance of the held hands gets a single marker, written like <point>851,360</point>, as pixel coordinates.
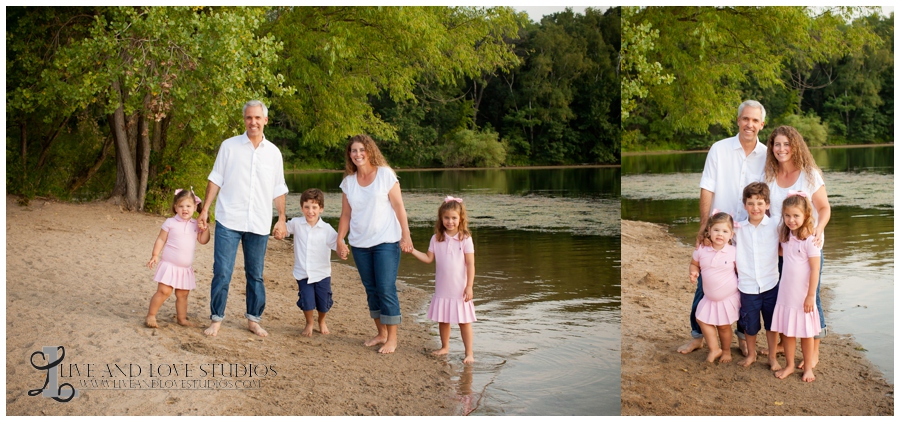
<point>406,244</point>
<point>280,229</point>
<point>202,220</point>
<point>809,304</point>
<point>342,249</point>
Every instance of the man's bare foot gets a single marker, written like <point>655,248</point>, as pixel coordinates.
<point>784,373</point>
<point>379,339</point>
<point>256,329</point>
<point>213,328</point>
<point>808,376</point>
<point>470,359</point>
<point>747,361</point>
<point>742,343</point>
<point>689,347</point>
<point>713,355</point>
<point>307,331</point>
<point>150,322</point>
<point>773,364</point>
<point>389,347</point>
<point>323,328</point>
<point>440,352</point>
<point>726,356</point>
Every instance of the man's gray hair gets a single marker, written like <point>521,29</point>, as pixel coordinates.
<point>258,103</point>
<point>748,103</point>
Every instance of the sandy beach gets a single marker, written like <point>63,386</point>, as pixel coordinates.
<point>656,380</point>
<point>76,278</point>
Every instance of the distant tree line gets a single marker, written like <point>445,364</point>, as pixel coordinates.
<point>132,102</point>
<point>827,71</point>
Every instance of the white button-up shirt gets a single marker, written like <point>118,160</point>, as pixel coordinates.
<point>312,249</point>
<point>757,255</point>
<point>728,170</point>
<point>249,179</point>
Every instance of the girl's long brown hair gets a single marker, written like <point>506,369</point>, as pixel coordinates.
<point>806,229</point>
<point>372,151</point>
<point>463,220</point>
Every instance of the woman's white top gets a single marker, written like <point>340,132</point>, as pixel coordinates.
<point>372,220</point>
<point>777,194</point>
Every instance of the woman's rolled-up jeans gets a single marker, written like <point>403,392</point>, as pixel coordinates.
<point>377,268</point>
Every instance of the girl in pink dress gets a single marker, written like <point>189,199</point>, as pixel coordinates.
<point>177,240</point>
<point>454,254</point>
<point>721,302</point>
<point>795,313</point>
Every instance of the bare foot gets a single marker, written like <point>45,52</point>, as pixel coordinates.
<point>213,328</point>
<point>742,343</point>
<point>256,329</point>
<point>713,355</point>
<point>440,352</point>
<point>747,361</point>
<point>773,364</point>
<point>389,347</point>
<point>307,331</point>
<point>808,376</point>
<point>689,347</point>
<point>323,328</point>
<point>726,356</point>
<point>379,339</point>
<point>784,373</point>
<point>470,359</point>
<point>186,323</point>
<point>779,350</point>
<point>150,322</point>
<point>814,360</point>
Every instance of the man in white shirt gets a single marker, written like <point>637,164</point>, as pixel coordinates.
<point>731,164</point>
<point>247,177</point>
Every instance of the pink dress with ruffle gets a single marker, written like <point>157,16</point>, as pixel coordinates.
<point>721,301</point>
<point>789,318</point>
<point>176,263</point>
<point>448,304</point>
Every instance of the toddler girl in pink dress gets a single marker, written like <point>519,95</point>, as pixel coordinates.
<point>795,313</point>
<point>176,242</point>
<point>453,251</point>
<point>721,301</point>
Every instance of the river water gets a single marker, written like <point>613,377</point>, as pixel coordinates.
<point>547,284</point>
<point>859,239</point>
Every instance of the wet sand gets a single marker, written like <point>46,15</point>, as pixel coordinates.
<point>76,277</point>
<point>656,380</point>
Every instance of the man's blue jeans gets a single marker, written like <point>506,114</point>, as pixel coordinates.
<point>377,268</point>
<point>224,254</point>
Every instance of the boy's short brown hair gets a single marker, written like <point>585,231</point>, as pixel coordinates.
<point>316,195</point>
<point>756,189</point>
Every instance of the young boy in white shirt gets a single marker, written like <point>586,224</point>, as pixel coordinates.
<point>314,239</point>
<point>756,241</point>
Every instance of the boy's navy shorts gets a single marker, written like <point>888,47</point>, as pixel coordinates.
<point>752,305</point>
<point>315,295</point>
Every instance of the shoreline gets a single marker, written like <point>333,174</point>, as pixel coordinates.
<point>76,278</point>
<point>656,380</point>
<point>568,166</point>
<point>663,152</point>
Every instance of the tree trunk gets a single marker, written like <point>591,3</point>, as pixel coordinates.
<point>143,154</point>
<point>104,152</point>
<point>118,191</point>
<point>124,155</point>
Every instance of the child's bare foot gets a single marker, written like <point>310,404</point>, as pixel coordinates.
<point>689,347</point>
<point>779,350</point>
<point>784,373</point>
<point>713,355</point>
<point>379,339</point>
<point>323,328</point>
<point>440,352</point>
<point>726,356</point>
<point>307,331</point>
<point>150,322</point>
<point>213,328</point>
<point>470,359</point>
<point>747,361</point>
<point>256,329</point>
<point>389,347</point>
<point>808,376</point>
<point>773,364</point>
<point>814,361</point>
<point>742,343</point>
<point>185,323</point>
